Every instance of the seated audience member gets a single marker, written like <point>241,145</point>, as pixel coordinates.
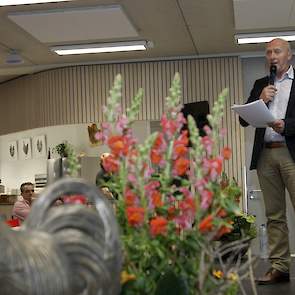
<point>103,177</point>
<point>22,207</point>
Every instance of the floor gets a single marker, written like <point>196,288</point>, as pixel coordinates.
<point>278,289</point>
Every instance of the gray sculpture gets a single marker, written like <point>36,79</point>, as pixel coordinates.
<point>62,250</point>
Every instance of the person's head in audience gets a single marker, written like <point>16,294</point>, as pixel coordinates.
<point>27,191</point>
<point>102,159</point>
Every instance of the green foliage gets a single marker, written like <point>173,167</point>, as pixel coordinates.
<point>243,228</point>
<point>171,284</point>
<point>73,163</point>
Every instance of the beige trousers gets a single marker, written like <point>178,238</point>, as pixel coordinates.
<point>276,172</point>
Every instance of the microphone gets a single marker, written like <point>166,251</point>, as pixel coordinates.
<point>272,74</point>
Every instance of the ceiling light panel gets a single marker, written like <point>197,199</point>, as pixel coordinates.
<point>91,24</point>
<point>21,2</point>
<point>264,37</point>
<point>100,48</point>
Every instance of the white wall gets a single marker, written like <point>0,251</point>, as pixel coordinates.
<point>253,69</point>
<point>13,173</point>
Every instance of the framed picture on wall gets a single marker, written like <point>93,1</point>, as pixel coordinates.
<point>25,149</point>
<point>12,150</point>
<point>39,146</point>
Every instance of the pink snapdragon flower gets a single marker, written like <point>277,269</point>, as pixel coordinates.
<point>122,124</point>
<point>206,199</point>
<point>208,144</point>
<point>212,167</point>
<point>187,211</point>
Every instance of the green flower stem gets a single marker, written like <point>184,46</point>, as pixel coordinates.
<point>168,168</point>
<point>122,179</point>
<point>215,120</point>
<point>133,111</point>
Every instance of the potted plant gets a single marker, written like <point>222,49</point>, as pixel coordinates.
<point>243,228</point>
<point>62,149</point>
<point>69,164</point>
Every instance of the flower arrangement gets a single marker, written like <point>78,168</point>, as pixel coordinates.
<point>171,205</point>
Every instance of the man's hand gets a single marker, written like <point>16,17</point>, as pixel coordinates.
<point>268,93</point>
<point>278,126</point>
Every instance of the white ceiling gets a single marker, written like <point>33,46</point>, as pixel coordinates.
<point>263,14</point>
<point>177,28</point>
<point>91,23</point>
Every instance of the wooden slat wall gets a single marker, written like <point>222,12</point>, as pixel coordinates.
<point>77,94</point>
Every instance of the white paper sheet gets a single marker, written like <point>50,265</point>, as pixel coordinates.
<point>255,113</point>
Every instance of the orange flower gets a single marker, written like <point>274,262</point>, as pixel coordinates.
<point>206,224</point>
<point>130,197</point>
<point>181,165</point>
<point>180,150</point>
<point>156,156</point>
<point>158,226</point>
<point>157,199</point>
<point>157,149</point>
<point>111,164</point>
<point>171,212</point>
<point>159,141</point>
<point>118,144</point>
<point>180,144</point>
<point>221,213</point>
<point>135,216</point>
<point>222,231</point>
<point>226,152</point>
<point>183,138</point>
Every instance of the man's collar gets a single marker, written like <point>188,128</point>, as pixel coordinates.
<point>290,73</point>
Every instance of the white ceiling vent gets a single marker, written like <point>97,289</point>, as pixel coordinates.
<point>13,58</point>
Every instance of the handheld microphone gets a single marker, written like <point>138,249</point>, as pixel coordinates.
<point>272,74</point>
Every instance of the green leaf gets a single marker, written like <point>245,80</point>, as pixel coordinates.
<point>171,284</point>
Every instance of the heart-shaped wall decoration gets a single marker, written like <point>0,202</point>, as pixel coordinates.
<point>39,146</point>
<point>11,150</point>
<point>26,148</point>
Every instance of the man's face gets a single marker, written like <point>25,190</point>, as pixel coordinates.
<point>278,53</point>
<point>103,159</point>
<point>28,192</point>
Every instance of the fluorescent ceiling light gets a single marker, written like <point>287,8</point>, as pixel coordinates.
<point>21,2</point>
<point>100,48</point>
<point>264,37</point>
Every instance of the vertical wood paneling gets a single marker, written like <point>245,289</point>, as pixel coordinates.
<point>76,95</point>
<point>83,95</point>
<point>67,112</point>
<point>54,96</point>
